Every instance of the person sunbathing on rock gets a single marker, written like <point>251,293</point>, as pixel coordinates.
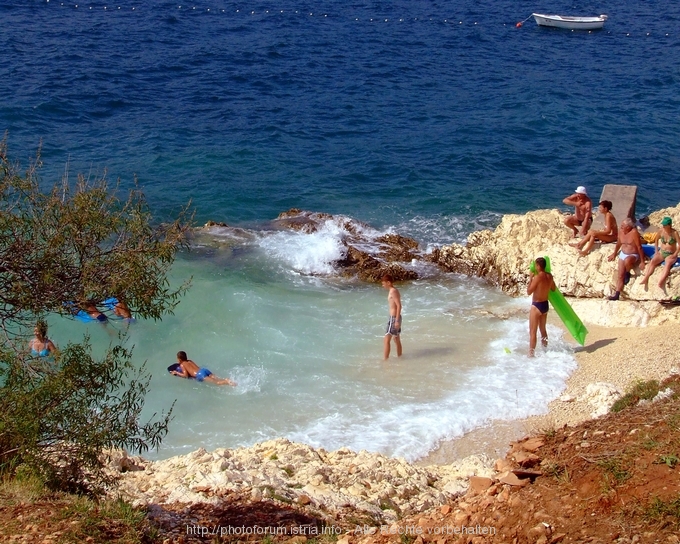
<point>607,235</point>
<point>631,253</point>
<point>665,251</point>
<point>583,211</point>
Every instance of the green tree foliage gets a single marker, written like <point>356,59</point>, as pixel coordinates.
<point>58,421</point>
<point>72,244</point>
<point>79,243</point>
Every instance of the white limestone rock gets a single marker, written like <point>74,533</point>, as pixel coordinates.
<point>503,257</point>
<point>380,486</point>
<point>601,396</point>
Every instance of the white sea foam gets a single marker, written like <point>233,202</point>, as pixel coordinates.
<point>314,253</point>
<point>248,379</point>
<point>305,253</point>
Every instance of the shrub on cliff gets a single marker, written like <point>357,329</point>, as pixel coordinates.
<point>72,244</point>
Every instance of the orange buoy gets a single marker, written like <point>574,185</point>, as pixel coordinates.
<point>518,25</point>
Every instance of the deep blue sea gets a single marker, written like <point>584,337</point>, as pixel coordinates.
<point>427,118</point>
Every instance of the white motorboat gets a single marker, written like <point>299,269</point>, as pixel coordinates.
<point>571,23</point>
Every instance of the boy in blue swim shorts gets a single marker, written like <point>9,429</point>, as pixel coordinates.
<point>394,322</point>
<point>189,369</point>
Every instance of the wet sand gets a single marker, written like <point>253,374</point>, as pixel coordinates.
<point>618,356</point>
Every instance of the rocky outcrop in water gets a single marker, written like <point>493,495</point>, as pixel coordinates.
<point>366,257</point>
<point>368,267</point>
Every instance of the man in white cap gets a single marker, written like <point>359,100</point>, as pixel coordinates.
<point>583,211</point>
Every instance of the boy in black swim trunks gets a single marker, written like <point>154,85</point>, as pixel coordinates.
<point>540,285</point>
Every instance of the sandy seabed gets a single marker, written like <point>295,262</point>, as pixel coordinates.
<point>617,356</point>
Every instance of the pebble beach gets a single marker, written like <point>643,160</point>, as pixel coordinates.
<point>616,356</point>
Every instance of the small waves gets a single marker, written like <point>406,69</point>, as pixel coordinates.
<point>307,253</point>
<point>506,385</point>
<point>442,230</point>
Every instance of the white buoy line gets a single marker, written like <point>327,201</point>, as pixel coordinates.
<point>383,20</point>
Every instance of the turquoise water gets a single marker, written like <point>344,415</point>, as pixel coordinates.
<point>429,119</point>
<point>306,352</point>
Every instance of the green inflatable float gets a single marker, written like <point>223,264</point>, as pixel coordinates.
<point>563,309</point>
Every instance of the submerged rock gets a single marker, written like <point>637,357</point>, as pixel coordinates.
<point>300,220</point>
<point>215,224</point>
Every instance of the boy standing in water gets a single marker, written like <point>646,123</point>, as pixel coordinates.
<point>540,285</point>
<point>394,322</point>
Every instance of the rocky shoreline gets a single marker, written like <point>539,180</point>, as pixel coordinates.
<point>381,488</point>
<point>384,489</point>
<point>501,257</point>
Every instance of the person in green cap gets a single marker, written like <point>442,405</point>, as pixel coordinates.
<point>665,251</point>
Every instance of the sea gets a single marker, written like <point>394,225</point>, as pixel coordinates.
<point>429,119</point>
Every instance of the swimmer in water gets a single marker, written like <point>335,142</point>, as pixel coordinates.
<point>40,345</point>
<point>189,369</point>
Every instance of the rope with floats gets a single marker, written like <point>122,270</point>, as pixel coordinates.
<point>191,8</point>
